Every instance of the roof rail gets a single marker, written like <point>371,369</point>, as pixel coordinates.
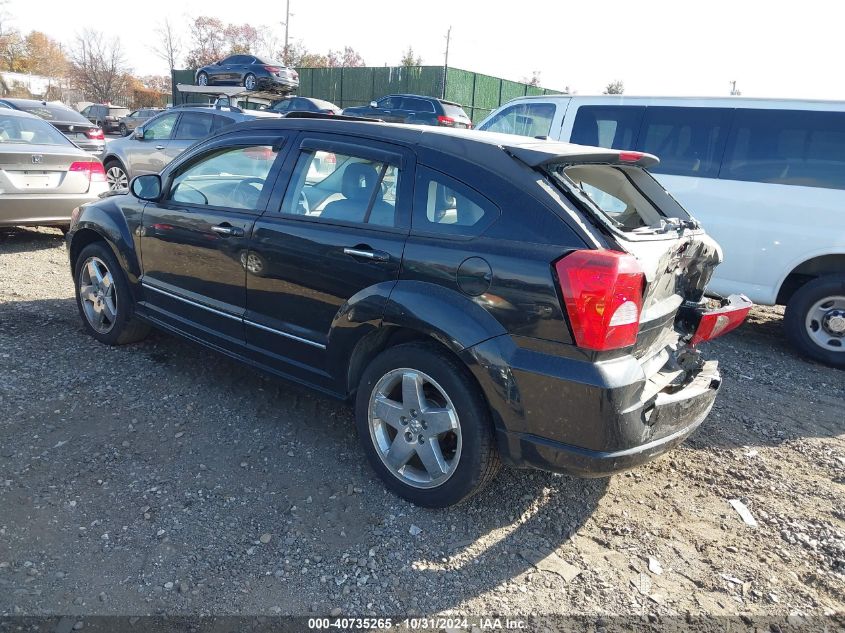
<point>208,105</point>
<point>330,117</point>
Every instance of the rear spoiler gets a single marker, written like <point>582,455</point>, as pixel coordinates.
<point>549,153</point>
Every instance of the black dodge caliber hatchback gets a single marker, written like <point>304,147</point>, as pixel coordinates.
<point>481,298</point>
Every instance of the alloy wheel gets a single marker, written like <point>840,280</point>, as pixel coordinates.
<point>825,323</point>
<point>97,294</point>
<point>249,82</point>
<point>202,79</point>
<point>117,178</point>
<point>415,428</point>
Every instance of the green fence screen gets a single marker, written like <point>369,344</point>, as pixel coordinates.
<point>478,94</point>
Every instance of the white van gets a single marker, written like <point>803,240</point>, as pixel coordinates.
<point>766,178</point>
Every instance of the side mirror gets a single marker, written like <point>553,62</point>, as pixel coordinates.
<point>139,133</point>
<point>146,187</point>
<point>373,104</point>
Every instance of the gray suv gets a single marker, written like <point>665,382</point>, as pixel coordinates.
<point>162,138</point>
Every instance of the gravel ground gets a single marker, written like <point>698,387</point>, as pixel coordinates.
<point>163,478</point>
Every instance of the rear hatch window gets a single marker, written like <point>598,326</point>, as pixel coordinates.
<point>626,198</point>
<point>454,111</point>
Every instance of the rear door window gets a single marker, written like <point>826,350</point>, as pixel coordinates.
<point>445,206</point>
<point>194,125</point>
<point>614,127</point>
<point>417,105</point>
<point>789,147</point>
<point>688,141</point>
<point>526,119</point>
<point>336,187</point>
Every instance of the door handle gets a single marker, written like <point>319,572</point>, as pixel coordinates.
<point>367,253</point>
<point>227,230</point>
<point>159,147</point>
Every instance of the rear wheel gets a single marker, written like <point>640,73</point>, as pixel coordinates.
<point>104,299</point>
<point>202,79</point>
<point>815,320</point>
<point>116,176</point>
<point>425,426</point>
<point>249,81</point>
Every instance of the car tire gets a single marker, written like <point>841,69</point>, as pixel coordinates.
<point>457,439</point>
<point>100,281</point>
<point>123,130</point>
<point>114,169</point>
<point>814,320</point>
<point>202,79</point>
<point>249,81</point>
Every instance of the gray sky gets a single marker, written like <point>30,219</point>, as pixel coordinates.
<point>658,47</point>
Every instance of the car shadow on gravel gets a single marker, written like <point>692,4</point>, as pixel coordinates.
<point>19,239</point>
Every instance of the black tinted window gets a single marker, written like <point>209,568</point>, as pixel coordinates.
<point>417,105</point>
<point>614,127</point>
<point>688,141</point>
<point>446,206</point>
<point>788,147</point>
<point>193,125</point>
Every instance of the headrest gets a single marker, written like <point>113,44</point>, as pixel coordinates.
<point>359,179</point>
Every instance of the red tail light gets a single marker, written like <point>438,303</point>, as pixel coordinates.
<point>95,134</point>
<point>94,170</point>
<point>445,120</point>
<point>272,69</point>
<point>720,321</point>
<point>603,294</point>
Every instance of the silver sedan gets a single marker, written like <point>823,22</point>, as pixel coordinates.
<point>43,175</point>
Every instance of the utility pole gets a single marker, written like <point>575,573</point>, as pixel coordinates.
<point>446,60</point>
<point>287,24</point>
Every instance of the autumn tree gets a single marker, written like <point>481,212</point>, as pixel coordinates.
<point>13,51</point>
<point>98,66</point>
<point>168,46</point>
<point>614,88</point>
<point>347,58</point>
<point>409,59</point>
<point>44,55</point>
<point>209,42</point>
<point>533,80</point>
<point>242,39</point>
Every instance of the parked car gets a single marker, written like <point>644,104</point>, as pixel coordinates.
<point>414,109</point>
<point>304,104</point>
<point>106,116</point>
<point>765,176</point>
<point>158,141</point>
<point>69,122</point>
<point>43,175</point>
<point>480,297</point>
<point>251,72</point>
<point>136,118</point>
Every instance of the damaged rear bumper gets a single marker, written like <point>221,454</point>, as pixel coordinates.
<point>675,416</point>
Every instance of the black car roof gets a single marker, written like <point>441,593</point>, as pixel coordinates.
<point>471,143</point>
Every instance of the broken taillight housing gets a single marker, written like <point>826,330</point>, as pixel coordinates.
<point>603,295</point>
<point>714,323</point>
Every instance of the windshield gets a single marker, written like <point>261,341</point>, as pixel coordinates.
<point>22,129</point>
<point>52,112</point>
<point>629,198</point>
<point>118,112</point>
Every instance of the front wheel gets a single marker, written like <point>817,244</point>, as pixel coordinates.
<point>249,81</point>
<point>123,129</point>
<point>202,79</point>
<point>116,176</point>
<point>815,320</point>
<point>104,299</point>
<point>425,427</point>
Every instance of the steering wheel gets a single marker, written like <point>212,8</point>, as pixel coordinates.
<point>244,194</point>
<point>303,207</point>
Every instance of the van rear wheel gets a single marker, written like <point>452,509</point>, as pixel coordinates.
<point>815,320</point>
